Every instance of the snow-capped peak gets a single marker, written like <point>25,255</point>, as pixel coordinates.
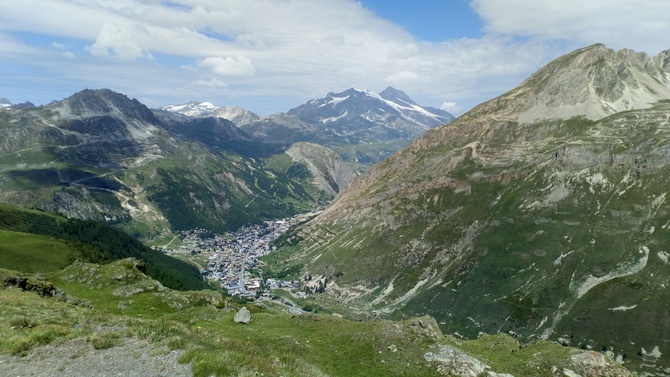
<point>235,114</point>
<point>192,109</point>
<point>390,108</point>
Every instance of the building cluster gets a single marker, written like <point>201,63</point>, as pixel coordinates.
<point>234,254</point>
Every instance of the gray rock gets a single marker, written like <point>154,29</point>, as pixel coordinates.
<point>243,316</point>
<point>591,363</point>
<point>454,362</point>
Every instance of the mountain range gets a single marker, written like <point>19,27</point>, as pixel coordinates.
<point>5,103</point>
<point>362,126</point>
<point>540,213</point>
<point>100,155</point>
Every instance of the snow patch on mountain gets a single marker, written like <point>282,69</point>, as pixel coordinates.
<point>623,308</point>
<point>335,101</point>
<point>195,109</point>
<point>333,119</point>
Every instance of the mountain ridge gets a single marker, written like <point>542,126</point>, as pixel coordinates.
<point>594,81</point>
<point>329,171</point>
<point>361,126</point>
<point>101,155</point>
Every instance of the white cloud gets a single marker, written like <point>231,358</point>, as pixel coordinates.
<point>638,25</point>
<point>229,66</point>
<point>120,42</point>
<point>450,107</point>
<point>401,78</point>
<point>65,53</point>
<point>213,83</point>
<point>57,46</point>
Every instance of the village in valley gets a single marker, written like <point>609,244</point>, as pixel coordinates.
<point>233,255</point>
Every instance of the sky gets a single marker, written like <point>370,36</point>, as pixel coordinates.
<point>269,56</point>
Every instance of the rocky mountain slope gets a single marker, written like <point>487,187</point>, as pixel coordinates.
<point>330,172</point>
<point>541,213</point>
<point>592,85</point>
<point>101,155</point>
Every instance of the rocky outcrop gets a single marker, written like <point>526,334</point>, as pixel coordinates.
<point>242,316</point>
<point>594,364</point>
<point>451,361</point>
<point>454,362</point>
<point>593,82</point>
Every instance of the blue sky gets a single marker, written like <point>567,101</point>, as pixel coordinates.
<point>271,55</point>
<point>431,20</point>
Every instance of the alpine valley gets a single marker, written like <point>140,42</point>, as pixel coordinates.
<point>541,213</point>
<point>528,237</point>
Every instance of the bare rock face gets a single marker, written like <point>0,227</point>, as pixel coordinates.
<point>243,316</point>
<point>593,82</point>
<point>331,173</point>
<point>454,362</point>
<point>591,363</point>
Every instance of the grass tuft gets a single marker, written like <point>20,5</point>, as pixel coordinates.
<point>105,340</point>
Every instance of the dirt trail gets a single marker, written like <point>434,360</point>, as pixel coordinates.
<point>78,358</point>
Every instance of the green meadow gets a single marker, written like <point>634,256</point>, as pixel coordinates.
<point>32,253</point>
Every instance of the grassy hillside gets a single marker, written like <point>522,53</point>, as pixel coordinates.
<point>85,240</point>
<point>114,305</point>
<point>43,253</point>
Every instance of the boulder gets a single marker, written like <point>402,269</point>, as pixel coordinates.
<point>454,362</point>
<point>243,316</point>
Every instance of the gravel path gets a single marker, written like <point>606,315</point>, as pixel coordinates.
<point>77,358</point>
